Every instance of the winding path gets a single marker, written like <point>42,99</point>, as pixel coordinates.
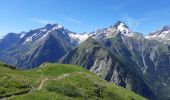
<point>46,79</point>
<point>42,83</point>
<point>38,88</point>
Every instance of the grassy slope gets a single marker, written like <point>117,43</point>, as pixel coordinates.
<point>63,82</point>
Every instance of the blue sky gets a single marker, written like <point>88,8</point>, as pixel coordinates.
<point>83,15</point>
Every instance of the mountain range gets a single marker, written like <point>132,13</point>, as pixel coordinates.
<point>117,54</point>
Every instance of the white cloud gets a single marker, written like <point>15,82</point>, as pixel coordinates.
<point>73,20</point>
<point>134,23</point>
<point>42,21</point>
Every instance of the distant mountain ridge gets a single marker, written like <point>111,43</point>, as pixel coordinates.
<point>161,35</point>
<point>36,46</point>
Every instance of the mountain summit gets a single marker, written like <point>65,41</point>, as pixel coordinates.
<point>161,35</point>
<point>51,26</point>
<point>122,27</point>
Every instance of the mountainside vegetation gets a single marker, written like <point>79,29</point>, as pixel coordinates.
<point>58,81</point>
<point>95,57</point>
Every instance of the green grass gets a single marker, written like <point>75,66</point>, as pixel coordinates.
<point>79,84</point>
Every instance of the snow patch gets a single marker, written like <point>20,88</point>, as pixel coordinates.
<point>45,35</point>
<point>165,32</point>
<point>43,30</point>
<point>163,35</point>
<point>122,28</point>
<point>129,34</point>
<point>41,34</point>
<point>79,37</point>
<point>29,39</point>
<point>22,35</point>
<point>58,27</point>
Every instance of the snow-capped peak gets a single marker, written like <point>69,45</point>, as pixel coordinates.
<point>57,26</point>
<point>53,26</point>
<point>40,33</point>
<point>114,30</point>
<point>78,37</point>
<point>161,34</point>
<point>164,30</point>
<point>122,27</point>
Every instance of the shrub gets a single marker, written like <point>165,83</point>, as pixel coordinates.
<point>64,89</point>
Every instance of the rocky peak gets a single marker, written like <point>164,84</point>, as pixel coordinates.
<point>120,23</point>
<point>163,30</point>
<point>161,35</point>
<point>112,31</point>
<point>53,26</point>
<point>122,27</point>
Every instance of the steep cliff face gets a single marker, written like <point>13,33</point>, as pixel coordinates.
<point>95,57</point>
<point>150,58</point>
<point>140,62</point>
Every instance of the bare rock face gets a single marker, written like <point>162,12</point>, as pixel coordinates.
<point>96,58</point>
<point>126,58</point>
<point>162,35</point>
